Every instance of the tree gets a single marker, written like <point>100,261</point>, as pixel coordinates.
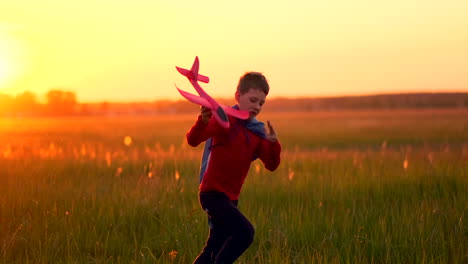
<point>26,103</point>
<point>6,103</point>
<point>61,102</point>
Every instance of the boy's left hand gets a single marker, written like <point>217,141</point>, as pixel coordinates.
<point>271,133</point>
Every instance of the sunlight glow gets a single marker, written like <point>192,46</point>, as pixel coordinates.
<point>6,69</point>
<point>12,59</point>
<point>127,50</point>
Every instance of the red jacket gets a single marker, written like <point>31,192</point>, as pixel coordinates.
<point>232,152</point>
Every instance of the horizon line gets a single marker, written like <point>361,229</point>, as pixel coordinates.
<point>171,99</point>
<point>277,97</point>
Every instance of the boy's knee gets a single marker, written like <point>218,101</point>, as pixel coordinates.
<point>248,233</point>
<point>251,236</point>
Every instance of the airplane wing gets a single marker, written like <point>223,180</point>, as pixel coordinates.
<point>204,102</point>
<point>194,98</point>
<point>189,74</point>
<point>236,113</point>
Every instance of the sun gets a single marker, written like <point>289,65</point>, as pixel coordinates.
<point>6,68</point>
<point>12,59</point>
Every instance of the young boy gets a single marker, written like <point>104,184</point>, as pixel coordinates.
<point>226,161</point>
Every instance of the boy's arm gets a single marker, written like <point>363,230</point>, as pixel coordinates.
<point>204,128</point>
<point>269,154</point>
<point>270,149</point>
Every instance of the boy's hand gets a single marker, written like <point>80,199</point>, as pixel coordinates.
<point>206,114</point>
<point>271,134</point>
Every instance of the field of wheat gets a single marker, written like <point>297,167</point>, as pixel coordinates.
<point>352,187</point>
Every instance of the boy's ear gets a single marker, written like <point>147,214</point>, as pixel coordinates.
<point>237,96</point>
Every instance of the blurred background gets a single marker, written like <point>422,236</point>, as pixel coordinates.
<point>108,51</point>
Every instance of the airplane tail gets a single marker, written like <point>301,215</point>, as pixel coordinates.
<point>193,74</point>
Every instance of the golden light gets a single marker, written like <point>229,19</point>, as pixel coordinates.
<point>13,58</point>
<point>405,164</point>
<point>128,141</point>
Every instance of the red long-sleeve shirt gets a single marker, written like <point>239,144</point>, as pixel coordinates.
<point>232,152</point>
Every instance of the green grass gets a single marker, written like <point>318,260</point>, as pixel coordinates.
<point>353,187</point>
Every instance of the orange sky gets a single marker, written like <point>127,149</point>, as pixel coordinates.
<point>127,50</point>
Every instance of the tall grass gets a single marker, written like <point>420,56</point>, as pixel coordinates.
<point>353,187</point>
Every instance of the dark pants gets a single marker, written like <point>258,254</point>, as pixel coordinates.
<point>231,233</point>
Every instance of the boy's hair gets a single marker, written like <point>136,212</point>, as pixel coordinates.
<point>253,80</point>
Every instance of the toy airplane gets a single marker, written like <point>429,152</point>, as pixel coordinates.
<point>218,110</point>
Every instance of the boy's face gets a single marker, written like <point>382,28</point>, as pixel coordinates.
<point>251,101</point>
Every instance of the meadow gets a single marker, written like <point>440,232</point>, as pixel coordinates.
<point>353,187</point>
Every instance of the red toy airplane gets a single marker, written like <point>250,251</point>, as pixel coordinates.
<point>218,110</point>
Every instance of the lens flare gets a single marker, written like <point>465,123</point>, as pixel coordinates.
<point>13,57</point>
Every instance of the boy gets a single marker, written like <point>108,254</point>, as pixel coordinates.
<point>226,161</point>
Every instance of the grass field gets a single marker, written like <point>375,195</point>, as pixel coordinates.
<point>353,187</point>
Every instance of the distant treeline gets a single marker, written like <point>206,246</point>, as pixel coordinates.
<point>60,103</point>
<point>389,101</point>
<point>384,101</point>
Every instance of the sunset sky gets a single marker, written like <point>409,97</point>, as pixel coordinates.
<point>111,50</point>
